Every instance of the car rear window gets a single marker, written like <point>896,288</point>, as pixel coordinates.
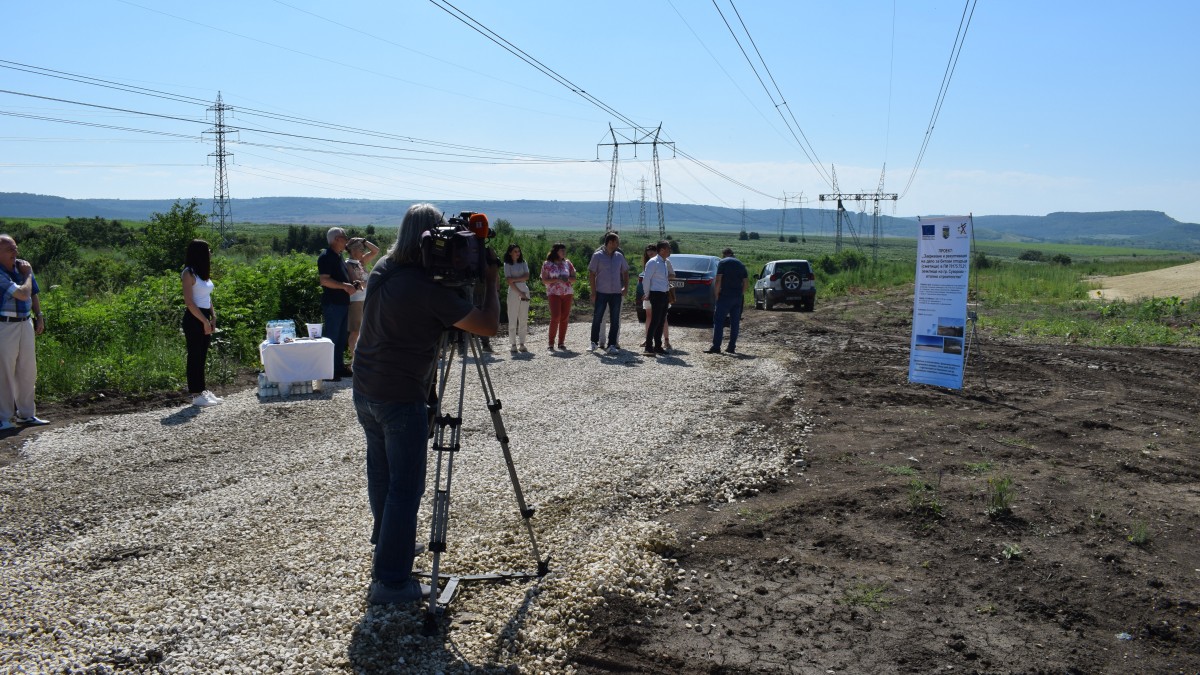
<point>799,266</point>
<point>692,264</point>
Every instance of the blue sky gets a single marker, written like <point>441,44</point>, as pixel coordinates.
<point>1058,106</point>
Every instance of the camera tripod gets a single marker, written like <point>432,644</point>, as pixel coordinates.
<point>447,431</point>
<point>974,345</point>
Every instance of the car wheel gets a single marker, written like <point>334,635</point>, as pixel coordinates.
<point>769,305</point>
<point>790,282</point>
<point>810,304</point>
<point>757,302</point>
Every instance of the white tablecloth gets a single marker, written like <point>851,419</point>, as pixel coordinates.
<point>298,361</point>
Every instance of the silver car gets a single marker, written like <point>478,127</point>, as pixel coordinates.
<point>788,281</point>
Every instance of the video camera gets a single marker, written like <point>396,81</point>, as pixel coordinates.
<point>455,254</point>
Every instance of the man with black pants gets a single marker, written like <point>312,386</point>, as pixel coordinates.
<point>335,298</point>
<point>656,281</point>
<point>730,288</point>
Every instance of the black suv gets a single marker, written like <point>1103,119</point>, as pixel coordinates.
<point>790,281</point>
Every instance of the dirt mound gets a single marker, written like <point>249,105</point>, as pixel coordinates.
<point>1181,281</point>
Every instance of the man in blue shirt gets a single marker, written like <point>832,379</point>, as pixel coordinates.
<point>336,290</point>
<point>608,277</point>
<point>731,284</point>
<point>19,303</point>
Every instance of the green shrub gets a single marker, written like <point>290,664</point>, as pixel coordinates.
<point>163,244</point>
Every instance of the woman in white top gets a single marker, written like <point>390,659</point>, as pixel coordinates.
<point>516,274</point>
<point>199,319</point>
<point>361,252</point>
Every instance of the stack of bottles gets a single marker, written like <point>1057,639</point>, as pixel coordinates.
<point>281,330</point>
<point>268,388</point>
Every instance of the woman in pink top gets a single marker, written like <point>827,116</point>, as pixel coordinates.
<point>559,276</point>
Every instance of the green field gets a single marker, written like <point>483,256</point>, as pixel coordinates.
<point>113,303</point>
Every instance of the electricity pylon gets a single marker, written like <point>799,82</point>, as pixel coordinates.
<point>222,217</point>
<point>875,197</point>
<point>638,137</point>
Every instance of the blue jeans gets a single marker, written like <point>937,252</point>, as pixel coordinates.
<point>337,328</point>
<point>397,434</point>
<point>732,308</point>
<point>613,302</point>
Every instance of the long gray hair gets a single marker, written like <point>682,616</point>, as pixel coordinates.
<point>418,219</point>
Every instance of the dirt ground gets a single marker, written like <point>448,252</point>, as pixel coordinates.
<point>1181,280</point>
<point>847,567</point>
<point>850,568</point>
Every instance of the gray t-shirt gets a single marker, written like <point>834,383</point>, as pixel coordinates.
<point>403,318</point>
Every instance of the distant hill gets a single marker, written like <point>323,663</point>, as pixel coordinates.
<point>1148,229</point>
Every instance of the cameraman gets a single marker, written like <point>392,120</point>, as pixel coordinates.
<point>404,316</point>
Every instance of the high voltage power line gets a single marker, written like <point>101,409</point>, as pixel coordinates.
<point>805,145</point>
<point>963,24</point>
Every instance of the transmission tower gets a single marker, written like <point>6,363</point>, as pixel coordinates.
<point>642,211</point>
<point>875,197</point>
<point>222,218</point>
<point>783,216</point>
<point>638,136</point>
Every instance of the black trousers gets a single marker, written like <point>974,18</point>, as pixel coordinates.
<point>658,318</point>
<point>197,349</point>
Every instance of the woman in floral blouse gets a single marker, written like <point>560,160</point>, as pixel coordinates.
<point>558,274</point>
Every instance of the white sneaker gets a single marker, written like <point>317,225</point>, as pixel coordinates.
<point>5,425</point>
<point>594,346</point>
<point>613,349</point>
<point>202,400</point>
<point>213,397</point>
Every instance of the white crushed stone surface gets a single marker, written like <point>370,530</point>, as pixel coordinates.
<point>234,539</point>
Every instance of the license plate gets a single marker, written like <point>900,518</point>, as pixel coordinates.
<point>677,283</point>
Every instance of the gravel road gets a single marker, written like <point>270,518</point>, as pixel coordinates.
<point>234,539</point>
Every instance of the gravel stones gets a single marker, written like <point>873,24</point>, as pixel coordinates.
<point>235,539</point>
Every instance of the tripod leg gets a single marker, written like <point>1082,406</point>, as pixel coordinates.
<point>447,431</point>
<point>494,406</point>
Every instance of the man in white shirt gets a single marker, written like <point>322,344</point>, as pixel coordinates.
<point>656,281</point>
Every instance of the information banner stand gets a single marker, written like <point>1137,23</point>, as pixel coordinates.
<point>940,301</point>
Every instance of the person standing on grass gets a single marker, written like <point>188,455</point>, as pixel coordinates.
<point>402,324</point>
<point>19,302</point>
<point>361,252</point>
<point>656,280</point>
<point>730,288</point>
<point>199,319</point>
<point>558,274</point>
<point>516,275</point>
<point>335,299</point>
<point>608,277</point>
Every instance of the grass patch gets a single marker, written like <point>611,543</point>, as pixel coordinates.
<point>753,515</point>
<point>979,467</point>
<point>1139,535</point>
<point>866,595</point>
<point>900,470</point>
<point>1000,495</point>
<point>923,499</point>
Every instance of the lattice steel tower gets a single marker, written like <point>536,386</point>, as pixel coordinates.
<point>222,217</point>
<point>642,211</point>
<point>639,137</point>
